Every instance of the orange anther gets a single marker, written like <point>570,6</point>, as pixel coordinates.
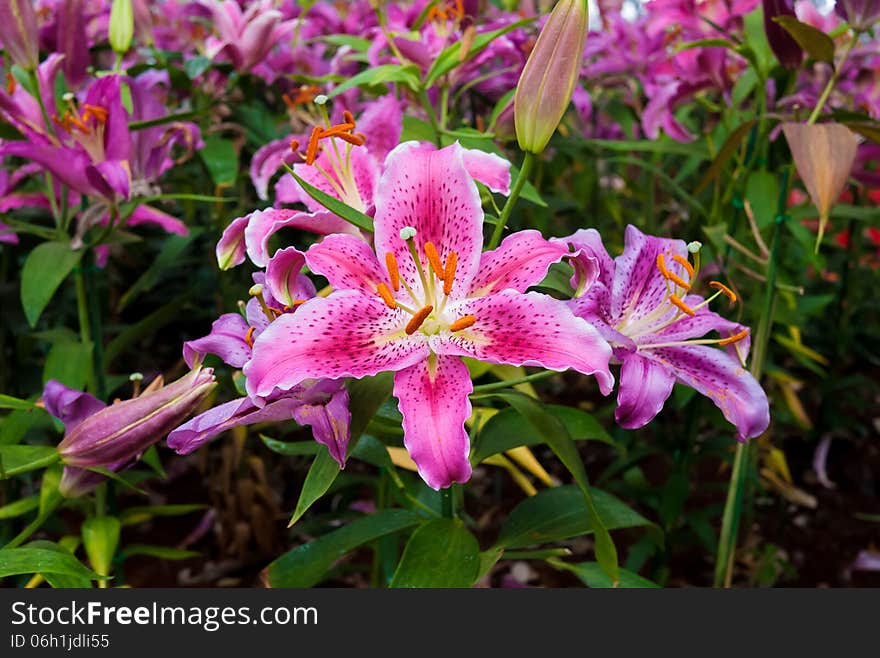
<point>449,276</point>
<point>355,140</point>
<point>10,83</point>
<point>312,150</point>
<point>735,338</point>
<point>338,129</point>
<point>249,336</point>
<point>349,118</point>
<point>296,304</point>
<point>717,285</point>
<point>393,272</point>
<point>294,145</point>
<point>98,112</point>
<point>421,315</point>
<point>677,280</point>
<point>434,260</point>
<point>661,265</point>
<point>386,295</point>
<point>685,263</point>
<point>463,323</point>
<point>684,308</point>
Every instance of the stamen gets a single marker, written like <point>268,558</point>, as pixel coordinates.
<point>434,260</point>
<point>463,323</point>
<point>386,295</point>
<point>98,112</point>
<point>312,150</point>
<point>249,336</point>
<point>421,315</point>
<point>296,304</point>
<point>256,290</point>
<point>348,117</point>
<point>661,265</point>
<point>338,129</point>
<point>294,145</point>
<point>10,83</point>
<point>449,276</point>
<point>717,285</point>
<point>354,140</point>
<point>684,308</point>
<point>677,280</point>
<point>393,272</point>
<point>686,264</point>
<point>735,338</point>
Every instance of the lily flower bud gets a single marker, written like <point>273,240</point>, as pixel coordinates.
<point>860,14</point>
<point>121,25</point>
<point>18,32</point>
<point>121,432</point>
<point>823,155</point>
<point>783,45</point>
<point>547,82</point>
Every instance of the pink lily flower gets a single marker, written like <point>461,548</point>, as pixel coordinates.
<point>641,304</point>
<point>246,37</point>
<point>423,299</point>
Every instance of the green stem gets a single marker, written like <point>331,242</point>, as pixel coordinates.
<point>735,492</point>
<point>447,502</point>
<point>527,164</point>
<point>34,525</point>
<point>85,330</point>
<point>832,81</point>
<point>507,383</point>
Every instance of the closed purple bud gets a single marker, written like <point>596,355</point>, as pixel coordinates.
<point>550,74</point>
<point>860,14</point>
<point>18,32</point>
<point>786,49</point>
<point>118,433</point>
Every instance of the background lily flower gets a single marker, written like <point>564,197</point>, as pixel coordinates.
<point>640,303</point>
<point>245,37</point>
<point>424,298</point>
<point>18,32</point>
<point>113,437</point>
<point>320,404</point>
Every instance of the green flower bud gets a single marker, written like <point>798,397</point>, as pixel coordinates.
<point>121,25</point>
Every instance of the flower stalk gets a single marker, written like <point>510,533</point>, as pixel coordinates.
<point>515,191</point>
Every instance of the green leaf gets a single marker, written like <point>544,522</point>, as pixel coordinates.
<point>593,576</point>
<point>662,145</point>
<point>506,430</point>
<point>334,205</point>
<point>561,513</point>
<point>168,257</point>
<point>557,437</point>
<point>145,327</point>
<point>133,515</point>
<point>441,553</point>
<point>815,42</point>
<point>17,459</point>
<point>355,43</point>
<point>291,448</point>
<point>762,191</point>
<point>44,269</point>
<point>221,159</point>
<point>451,56</point>
<point>162,552</point>
<point>9,402</point>
<point>321,475</point>
<point>195,66</point>
<point>100,536</point>
<point>19,507</point>
<point>17,561</point>
<point>724,154</point>
<point>306,565</point>
<point>408,74</point>
<point>68,546</point>
<point>69,362</point>
<point>366,395</point>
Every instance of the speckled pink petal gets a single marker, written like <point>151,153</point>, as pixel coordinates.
<point>430,190</point>
<point>226,340</point>
<point>589,252</point>
<point>263,224</point>
<point>491,170</point>
<point>528,330</point>
<point>348,334</point>
<point>268,159</point>
<point>434,403</point>
<point>720,377</point>
<point>284,279</point>
<point>520,261</point>
<point>348,263</point>
<point>644,387</point>
<point>381,123</point>
<point>638,286</point>
<point>145,214</point>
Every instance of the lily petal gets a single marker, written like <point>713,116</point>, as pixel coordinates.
<point>721,378</point>
<point>347,262</point>
<point>491,170</point>
<point>145,214</point>
<point>644,387</point>
<point>347,334</point>
<point>285,281</point>
<point>226,340</point>
<point>68,405</point>
<point>434,403</point>
<point>231,248</point>
<point>382,123</point>
<point>520,261</point>
<point>430,190</point>
<point>330,423</point>
<point>528,330</point>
